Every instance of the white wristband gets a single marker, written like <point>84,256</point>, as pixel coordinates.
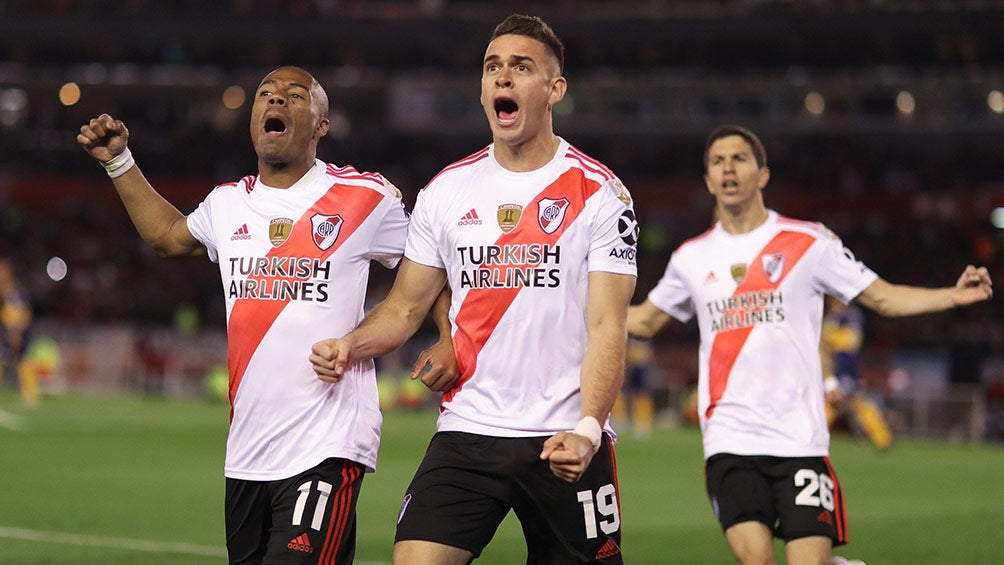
<point>589,427</point>
<point>830,384</point>
<point>119,164</point>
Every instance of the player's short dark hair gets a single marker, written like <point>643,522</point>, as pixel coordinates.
<point>534,28</point>
<point>759,153</point>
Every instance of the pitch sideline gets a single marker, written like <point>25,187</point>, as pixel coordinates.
<point>10,421</point>
<point>181,548</point>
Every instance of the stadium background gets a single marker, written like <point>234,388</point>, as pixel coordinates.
<point>882,118</point>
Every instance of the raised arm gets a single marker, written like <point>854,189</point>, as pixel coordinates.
<point>158,222</point>
<point>569,454</point>
<point>387,326</point>
<point>895,300</point>
<point>646,319</point>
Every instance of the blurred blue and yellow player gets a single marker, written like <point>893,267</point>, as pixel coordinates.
<point>15,333</point>
<point>636,402</point>
<point>840,348</point>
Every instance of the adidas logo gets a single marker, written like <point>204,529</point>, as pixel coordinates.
<point>241,233</point>
<point>609,549</point>
<point>470,219</point>
<point>711,278</point>
<point>825,517</point>
<point>301,543</point>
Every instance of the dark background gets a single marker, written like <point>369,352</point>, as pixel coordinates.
<point>910,194</point>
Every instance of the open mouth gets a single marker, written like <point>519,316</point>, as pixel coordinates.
<point>274,125</point>
<point>506,109</point>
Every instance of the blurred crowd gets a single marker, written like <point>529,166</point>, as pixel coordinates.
<point>910,196</point>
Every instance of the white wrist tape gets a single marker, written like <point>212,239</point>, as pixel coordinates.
<point>119,164</point>
<point>590,428</point>
<point>831,384</point>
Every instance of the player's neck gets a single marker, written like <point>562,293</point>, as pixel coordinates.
<point>527,156</point>
<point>742,219</point>
<point>282,175</point>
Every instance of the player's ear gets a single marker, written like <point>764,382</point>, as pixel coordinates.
<point>764,177</point>
<point>322,128</point>
<point>558,87</point>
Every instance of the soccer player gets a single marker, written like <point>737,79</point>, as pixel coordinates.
<point>15,334</point>
<point>537,241</point>
<point>840,347</point>
<point>294,243</point>
<point>756,282</point>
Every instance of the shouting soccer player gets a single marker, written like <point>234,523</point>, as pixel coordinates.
<point>756,282</point>
<point>537,241</point>
<point>294,244</point>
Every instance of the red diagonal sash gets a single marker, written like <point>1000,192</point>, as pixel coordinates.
<point>727,345</point>
<point>482,308</point>
<point>250,319</point>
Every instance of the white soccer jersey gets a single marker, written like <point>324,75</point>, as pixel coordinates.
<point>295,264</point>
<point>518,248</point>
<point>759,304</point>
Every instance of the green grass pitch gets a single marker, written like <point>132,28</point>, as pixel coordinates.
<point>124,480</point>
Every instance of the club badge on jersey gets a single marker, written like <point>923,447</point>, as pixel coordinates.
<point>550,213</point>
<point>773,266</point>
<point>325,229</point>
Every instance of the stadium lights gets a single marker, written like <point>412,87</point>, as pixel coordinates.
<point>905,103</point>
<point>997,218</point>
<point>13,107</point>
<point>995,100</point>
<point>815,104</point>
<point>56,269</point>
<point>233,97</point>
<point>69,94</point>
<point>566,106</point>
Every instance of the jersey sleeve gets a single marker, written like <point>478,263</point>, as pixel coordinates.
<point>200,224</point>
<point>671,294</point>
<point>388,242</point>
<point>614,232</point>
<point>422,245</point>
<point>839,273</point>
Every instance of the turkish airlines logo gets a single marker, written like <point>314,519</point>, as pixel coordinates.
<point>325,229</point>
<point>550,213</point>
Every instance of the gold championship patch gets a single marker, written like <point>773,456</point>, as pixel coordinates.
<point>278,230</point>
<point>508,216</point>
<point>738,272</point>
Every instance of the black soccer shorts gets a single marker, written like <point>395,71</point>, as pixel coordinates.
<point>306,519</point>
<point>467,483</point>
<point>795,497</point>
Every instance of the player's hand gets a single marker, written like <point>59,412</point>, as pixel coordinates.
<point>437,366</point>
<point>568,455</point>
<point>329,358</point>
<point>103,137</point>
<point>974,285</point>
